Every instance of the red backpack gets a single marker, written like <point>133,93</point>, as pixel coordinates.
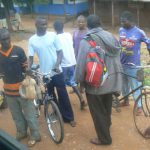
<point>96,70</point>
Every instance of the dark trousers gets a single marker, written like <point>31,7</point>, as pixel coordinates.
<point>63,98</point>
<point>100,108</point>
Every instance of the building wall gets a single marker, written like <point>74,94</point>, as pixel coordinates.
<point>104,10</point>
<point>61,9</point>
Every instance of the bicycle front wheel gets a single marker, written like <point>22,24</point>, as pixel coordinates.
<point>142,114</point>
<point>54,121</point>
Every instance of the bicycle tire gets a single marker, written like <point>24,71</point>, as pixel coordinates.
<point>147,101</point>
<point>142,120</point>
<point>53,116</point>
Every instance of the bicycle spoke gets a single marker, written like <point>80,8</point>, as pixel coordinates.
<point>54,122</point>
<point>142,114</point>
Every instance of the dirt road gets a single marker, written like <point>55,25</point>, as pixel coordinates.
<point>123,131</point>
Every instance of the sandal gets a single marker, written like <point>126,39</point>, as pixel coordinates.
<point>31,143</point>
<point>147,133</point>
<point>73,123</point>
<point>96,141</point>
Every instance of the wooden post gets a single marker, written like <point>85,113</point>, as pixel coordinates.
<point>138,15</point>
<point>64,8</point>
<point>94,5</point>
<point>112,14</point>
<point>74,17</point>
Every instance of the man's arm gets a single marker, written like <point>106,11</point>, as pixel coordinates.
<point>81,62</point>
<point>146,40</point>
<point>31,52</point>
<point>1,73</point>
<point>59,52</point>
<point>23,60</point>
<point>59,59</point>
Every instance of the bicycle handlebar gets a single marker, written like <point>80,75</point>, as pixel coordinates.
<point>131,65</point>
<point>144,66</point>
<point>46,75</point>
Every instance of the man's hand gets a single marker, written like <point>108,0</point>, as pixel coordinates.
<point>58,62</point>
<point>56,69</point>
<point>28,71</point>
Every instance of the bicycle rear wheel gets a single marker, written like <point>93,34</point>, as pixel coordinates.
<point>142,117</point>
<point>54,121</point>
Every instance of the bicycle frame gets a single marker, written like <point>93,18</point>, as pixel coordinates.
<point>45,95</point>
<point>51,111</point>
<point>139,87</point>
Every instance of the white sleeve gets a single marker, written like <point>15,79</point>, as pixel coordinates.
<point>31,50</point>
<point>70,38</point>
<point>57,43</point>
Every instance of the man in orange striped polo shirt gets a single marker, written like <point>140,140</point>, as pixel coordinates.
<point>13,62</point>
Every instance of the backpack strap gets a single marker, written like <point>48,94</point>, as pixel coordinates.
<point>91,41</point>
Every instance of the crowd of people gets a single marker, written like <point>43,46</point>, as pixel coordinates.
<point>66,55</point>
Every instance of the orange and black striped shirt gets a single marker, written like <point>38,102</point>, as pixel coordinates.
<point>12,67</point>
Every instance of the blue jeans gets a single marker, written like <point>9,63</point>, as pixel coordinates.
<point>69,76</point>
<point>130,83</point>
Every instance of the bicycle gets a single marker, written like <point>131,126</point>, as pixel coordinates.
<point>51,111</point>
<point>142,120</point>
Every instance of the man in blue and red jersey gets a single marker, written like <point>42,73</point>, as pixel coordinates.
<point>131,38</point>
<point>13,62</point>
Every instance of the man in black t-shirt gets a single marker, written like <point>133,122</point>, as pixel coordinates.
<point>13,62</point>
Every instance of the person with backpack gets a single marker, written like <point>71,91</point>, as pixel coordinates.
<point>105,50</point>
<point>68,61</point>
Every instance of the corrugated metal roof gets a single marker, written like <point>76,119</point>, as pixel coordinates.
<point>142,0</point>
<point>125,0</point>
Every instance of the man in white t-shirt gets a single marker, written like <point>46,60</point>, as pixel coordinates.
<point>68,62</point>
<point>49,51</point>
